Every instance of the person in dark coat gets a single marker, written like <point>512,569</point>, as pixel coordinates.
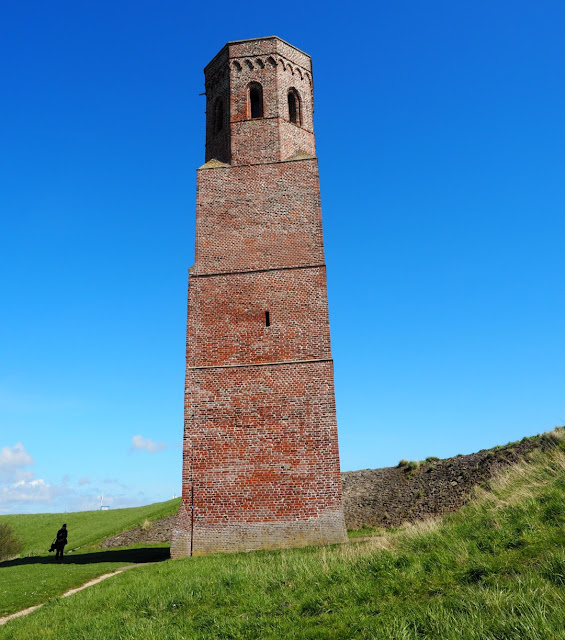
<point>60,542</point>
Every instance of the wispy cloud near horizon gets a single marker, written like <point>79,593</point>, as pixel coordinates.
<point>33,491</point>
<point>139,443</point>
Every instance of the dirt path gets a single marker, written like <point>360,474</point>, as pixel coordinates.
<point>71,592</point>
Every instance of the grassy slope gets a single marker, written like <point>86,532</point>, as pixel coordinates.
<point>35,577</point>
<point>494,570</point>
<point>86,527</point>
<point>33,580</point>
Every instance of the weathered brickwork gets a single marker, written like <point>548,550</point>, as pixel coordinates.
<point>262,217</point>
<point>260,453</point>
<point>229,313</point>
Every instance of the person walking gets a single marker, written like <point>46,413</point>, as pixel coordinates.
<point>60,542</point>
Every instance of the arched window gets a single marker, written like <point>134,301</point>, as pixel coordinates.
<point>218,115</point>
<point>294,107</point>
<point>255,100</point>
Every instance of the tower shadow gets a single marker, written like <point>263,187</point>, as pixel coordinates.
<point>129,556</point>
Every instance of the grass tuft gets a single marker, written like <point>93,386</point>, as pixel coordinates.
<point>10,546</point>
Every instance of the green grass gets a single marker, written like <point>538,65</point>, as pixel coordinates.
<point>33,580</point>
<point>86,528</point>
<point>366,532</point>
<point>495,570</point>
<point>35,577</point>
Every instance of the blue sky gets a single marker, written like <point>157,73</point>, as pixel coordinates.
<point>440,136</point>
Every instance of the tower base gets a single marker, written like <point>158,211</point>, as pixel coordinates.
<point>188,539</point>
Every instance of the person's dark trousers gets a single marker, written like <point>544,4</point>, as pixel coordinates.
<point>59,553</point>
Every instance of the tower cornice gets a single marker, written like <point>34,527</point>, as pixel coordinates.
<point>233,43</point>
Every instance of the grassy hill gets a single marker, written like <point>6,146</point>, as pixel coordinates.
<point>34,577</point>
<point>86,528</point>
<point>493,570</point>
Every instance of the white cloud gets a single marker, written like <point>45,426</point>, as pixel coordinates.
<point>20,488</point>
<point>12,460</point>
<point>84,480</point>
<point>34,491</point>
<point>139,442</point>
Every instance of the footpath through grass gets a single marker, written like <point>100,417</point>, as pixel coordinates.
<point>26,582</point>
<point>493,571</point>
<point>86,528</point>
<point>35,577</point>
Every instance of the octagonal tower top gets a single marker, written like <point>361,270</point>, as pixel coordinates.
<point>259,103</point>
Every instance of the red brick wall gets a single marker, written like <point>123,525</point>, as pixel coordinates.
<point>230,320</point>
<point>258,217</point>
<point>264,446</point>
<point>260,458</point>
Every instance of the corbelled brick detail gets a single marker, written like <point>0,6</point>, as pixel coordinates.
<point>260,455</point>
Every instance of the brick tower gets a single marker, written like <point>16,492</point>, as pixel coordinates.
<point>260,456</point>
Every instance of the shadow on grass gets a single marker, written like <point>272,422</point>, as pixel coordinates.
<point>129,556</point>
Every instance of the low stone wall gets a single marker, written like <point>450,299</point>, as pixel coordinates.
<point>391,496</point>
<point>158,531</point>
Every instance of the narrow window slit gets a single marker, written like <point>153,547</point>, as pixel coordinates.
<point>267,319</point>
<point>256,100</point>
<point>294,107</point>
<point>219,116</point>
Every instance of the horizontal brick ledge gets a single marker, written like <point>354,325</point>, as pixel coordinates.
<point>229,273</point>
<point>257,164</point>
<point>259,364</point>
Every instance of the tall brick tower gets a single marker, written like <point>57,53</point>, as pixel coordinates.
<point>260,458</point>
